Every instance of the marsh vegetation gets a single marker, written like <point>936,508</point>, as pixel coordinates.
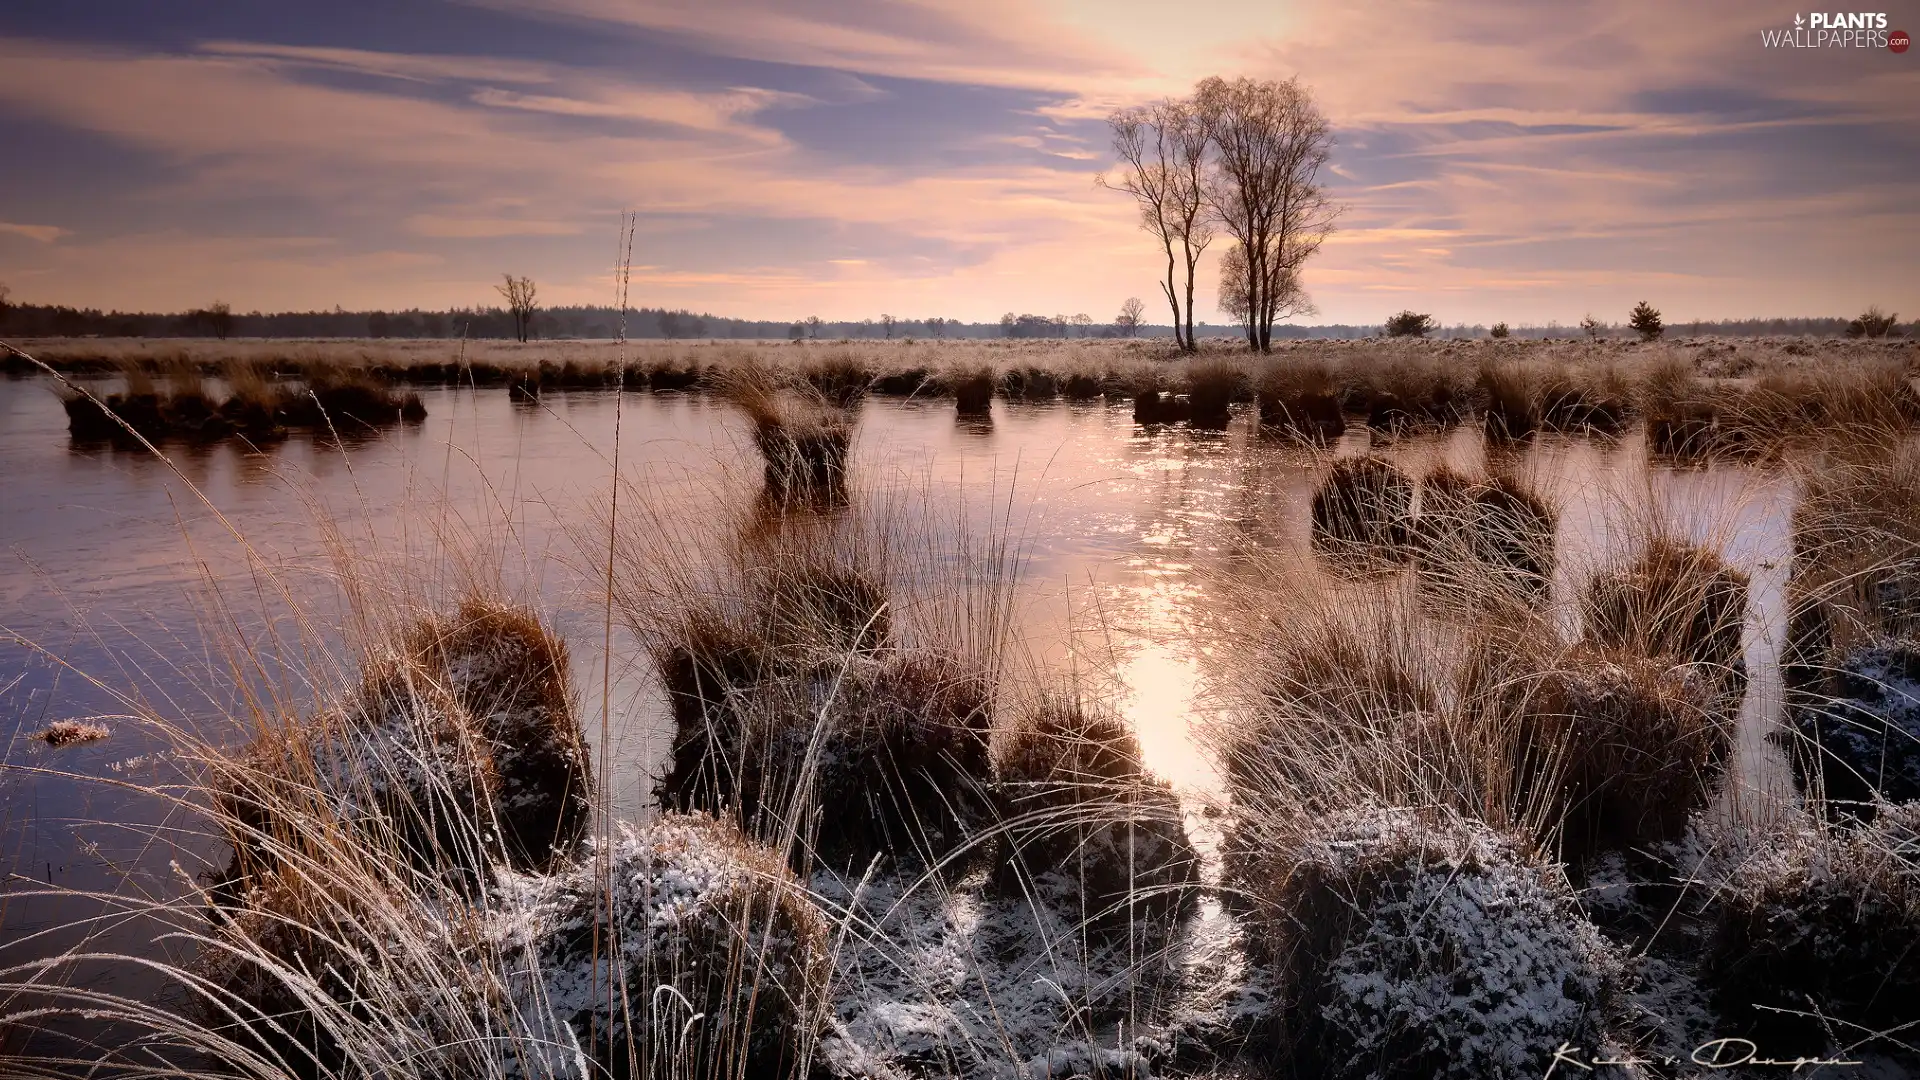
<point>1482,786</point>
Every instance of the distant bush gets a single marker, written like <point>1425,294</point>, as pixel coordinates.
<point>1409,324</point>
<point>1872,323</point>
<point>1500,330</point>
<point>1645,320</point>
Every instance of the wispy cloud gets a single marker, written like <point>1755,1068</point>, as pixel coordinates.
<point>1498,160</point>
<point>45,234</point>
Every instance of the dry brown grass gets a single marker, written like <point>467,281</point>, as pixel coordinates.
<point>1365,505</point>
<point>1090,826</point>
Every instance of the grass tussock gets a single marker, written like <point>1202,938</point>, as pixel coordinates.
<point>1301,399</point>
<point>815,703</point>
<point>691,952</point>
<point>1090,827</point>
<point>1849,662</point>
<point>1212,386</point>
<point>802,436</point>
<point>1416,943</point>
<point>1812,933</point>
<point>1495,531</point>
<point>1364,504</point>
<point>972,389</point>
<point>1675,599</point>
<point>462,748</point>
<point>64,733</point>
<point>1624,747</point>
<point>508,672</point>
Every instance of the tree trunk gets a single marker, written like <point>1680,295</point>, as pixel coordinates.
<point>1173,298</point>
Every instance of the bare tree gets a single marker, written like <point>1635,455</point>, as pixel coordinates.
<point>936,327</point>
<point>814,324</point>
<point>1084,323</point>
<point>519,293</point>
<point>1269,142</point>
<point>1130,315</point>
<point>1163,151</point>
<point>888,322</point>
<point>219,318</point>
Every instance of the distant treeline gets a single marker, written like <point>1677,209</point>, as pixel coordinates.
<point>38,320</point>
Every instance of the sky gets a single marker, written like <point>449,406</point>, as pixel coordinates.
<point>1522,162</point>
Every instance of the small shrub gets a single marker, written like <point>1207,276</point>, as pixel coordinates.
<point>1420,944</point>
<point>1092,830</point>
<point>1872,323</point>
<point>1499,330</point>
<point>1645,320</point>
<point>1410,324</point>
<point>1364,501</point>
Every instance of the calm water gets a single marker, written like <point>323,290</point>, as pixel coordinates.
<point>1128,537</point>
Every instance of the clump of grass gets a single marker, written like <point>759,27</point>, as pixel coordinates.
<point>462,747</point>
<point>1682,419</point>
<point>1497,531</point>
<point>1676,599</point>
<point>1213,385</point>
<point>1417,943</point>
<point>1624,747</point>
<point>1855,733</point>
<point>1585,399</point>
<point>1301,399</point>
<point>1092,830</point>
<point>398,764</point>
<point>843,378</point>
<point>1849,662</point>
<point>1082,386</point>
<point>64,733</point>
<point>810,711</point>
<point>692,951</point>
<point>1152,407</point>
<point>1511,409</point>
<point>972,390</point>
<point>508,673</point>
<point>1029,383</point>
<point>1811,921</point>
<point>1366,503</point>
<point>803,439</point>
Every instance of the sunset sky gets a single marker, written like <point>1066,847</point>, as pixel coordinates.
<point>845,158</point>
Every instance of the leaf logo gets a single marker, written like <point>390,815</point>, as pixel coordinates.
<point>1797,20</point>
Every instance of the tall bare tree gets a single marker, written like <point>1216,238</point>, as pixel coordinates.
<point>1130,315</point>
<point>519,293</point>
<point>1269,142</point>
<point>1163,154</point>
